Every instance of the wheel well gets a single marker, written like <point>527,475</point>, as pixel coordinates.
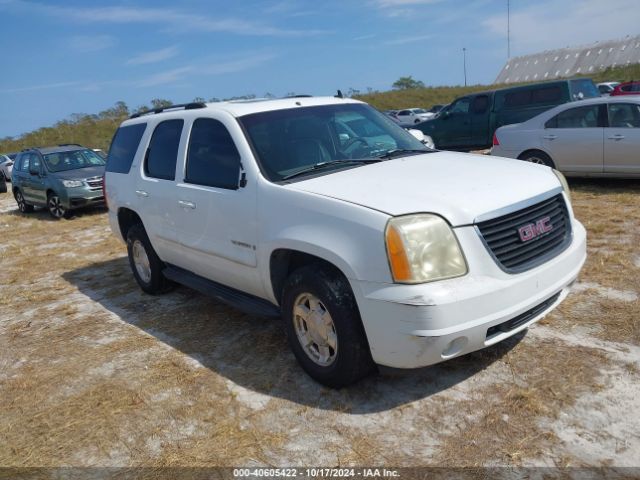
<point>538,151</point>
<point>49,192</point>
<point>127,219</point>
<point>284,261</point>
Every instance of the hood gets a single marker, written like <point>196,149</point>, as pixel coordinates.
<point>80,173</point>
<point>458,186</point>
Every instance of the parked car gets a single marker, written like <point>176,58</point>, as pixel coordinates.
<point>411,116</point>
<point>435,109</point>
<point>605,88</point>
<point>469,122</point>
<point>60,178</point>
<point>266,205</point>
<point>598,137</point>
<point>627,88</point>
<point>100,153</point>
<point>3,185</point>
<point>6,166</point>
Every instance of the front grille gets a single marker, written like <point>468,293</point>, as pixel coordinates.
<point>95,183</point>
<point>503,239</point>
<point>522,318</point>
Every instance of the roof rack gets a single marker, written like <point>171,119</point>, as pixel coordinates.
<point>186,106</point>
<point>69,145</point>
<point>299,96</point>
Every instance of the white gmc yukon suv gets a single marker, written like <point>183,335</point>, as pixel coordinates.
<point>372,248</point>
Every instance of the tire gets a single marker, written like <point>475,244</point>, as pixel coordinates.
<point>538,157</point>
<point>55,207</point>
<point>349,359</point>
<point>23,206</point>
<point>150,279</point>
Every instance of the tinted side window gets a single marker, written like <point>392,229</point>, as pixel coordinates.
<point>581,117</point>
<point>517,98</point>
<point>480,104</point>
<point>461,106</point>
<point>160,161</point>
<point>123,148</point>
<point>624,115</point>
<point>546,95</point>
<point>213,158</point>
<point>25,162</point>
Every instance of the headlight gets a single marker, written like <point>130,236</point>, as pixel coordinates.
<point>563,182</point>
<point>422,248</point>
<point>72,183</point>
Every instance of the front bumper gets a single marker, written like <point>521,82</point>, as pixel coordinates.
<point>411,326</point>
<point>78,197</point>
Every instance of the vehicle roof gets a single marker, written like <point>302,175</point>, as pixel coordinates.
<point>547,114</point>
<point>57,149</point>
<point>239,108</point>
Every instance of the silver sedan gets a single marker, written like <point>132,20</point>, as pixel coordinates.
<point>595,137</point>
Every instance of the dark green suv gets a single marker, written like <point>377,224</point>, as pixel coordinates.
<point>59,178</point>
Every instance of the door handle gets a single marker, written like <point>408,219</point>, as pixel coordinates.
<point>550,137</point>
<point>142,193</point>
<point>185,204</point>
<point>616,137</point>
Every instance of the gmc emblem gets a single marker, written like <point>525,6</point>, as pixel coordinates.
<point>533,230</point>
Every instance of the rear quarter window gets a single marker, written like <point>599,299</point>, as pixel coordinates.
<point>123,148</point>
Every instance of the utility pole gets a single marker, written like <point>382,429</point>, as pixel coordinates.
<point>464,63</point>
<point>508,31</point>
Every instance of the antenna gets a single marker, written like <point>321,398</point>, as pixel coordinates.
<point>508,31</point>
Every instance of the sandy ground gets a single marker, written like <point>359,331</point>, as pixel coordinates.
<point>95,373</point>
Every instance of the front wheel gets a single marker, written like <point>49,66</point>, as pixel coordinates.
<point>55,207</point>
<point>23,206</point>
<point>323,326</point>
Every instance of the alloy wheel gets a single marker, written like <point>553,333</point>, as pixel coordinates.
<point>315,329</point>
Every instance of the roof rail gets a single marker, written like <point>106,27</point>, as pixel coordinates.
<point>299,96</point>
<point>69,145</point>
<point>186,106</point>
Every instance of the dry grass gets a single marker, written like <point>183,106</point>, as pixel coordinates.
<point>504,427</point>
<point>93,372</point>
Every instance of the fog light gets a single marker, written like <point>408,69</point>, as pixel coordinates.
<point>455,347</point>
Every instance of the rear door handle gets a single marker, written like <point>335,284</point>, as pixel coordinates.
<point>550,137</point>
<point>142,193</point>
<point>616,137</point>
<point>185,204</point>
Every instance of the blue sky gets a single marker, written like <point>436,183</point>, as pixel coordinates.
<point>64,57</point>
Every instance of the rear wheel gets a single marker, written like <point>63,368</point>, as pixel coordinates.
<point>145,263</point>
<point>323,326</point>
<point>23,206</point>
<point>538,157</point>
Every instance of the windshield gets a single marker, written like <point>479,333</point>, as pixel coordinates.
<point>583,88</point>
<point>63,161</point>
<point>287,141</point>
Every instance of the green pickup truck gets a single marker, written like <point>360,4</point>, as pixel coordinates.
<point>469,122</point>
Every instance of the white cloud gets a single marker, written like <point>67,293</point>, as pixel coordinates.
<point>405,40</point>
<point>153,56</point>
<point>402,3</point>
<point>46,86</point>
<point>543,27</point>
<point>176,20</point>
<point>91,43</point>
<point>209,68</point>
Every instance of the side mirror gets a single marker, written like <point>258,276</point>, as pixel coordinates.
<point>418,134</point>
<point>33,170</point>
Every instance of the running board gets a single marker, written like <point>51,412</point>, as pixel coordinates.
<point>240,300</point>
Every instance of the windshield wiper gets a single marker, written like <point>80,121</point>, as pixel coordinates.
<point>397,152</point>
<point>321,165</point>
